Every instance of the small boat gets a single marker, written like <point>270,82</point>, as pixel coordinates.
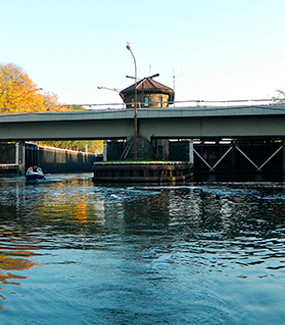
<point>35,174</point>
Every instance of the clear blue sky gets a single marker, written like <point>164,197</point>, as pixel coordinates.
<point>217,49</point>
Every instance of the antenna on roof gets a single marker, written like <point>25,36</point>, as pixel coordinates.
<point>173,84</point>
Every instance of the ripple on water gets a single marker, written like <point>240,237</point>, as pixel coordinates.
<point>142,254</point>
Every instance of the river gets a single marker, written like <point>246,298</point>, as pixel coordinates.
<point>203,253</point>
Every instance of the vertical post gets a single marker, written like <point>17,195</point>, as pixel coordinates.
<point>20,157</point>
<point>17,153</point>
<point>173,84</point>
<point>136,103</point>
<point>283,162</point>
<point>38,156</point>
<point>23,158</point>
<point>105,151</point>
<point>234,160</point>
<point>191,152</point>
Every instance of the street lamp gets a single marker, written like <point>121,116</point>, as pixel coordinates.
<point>136,100</point>
<point>112,89</point>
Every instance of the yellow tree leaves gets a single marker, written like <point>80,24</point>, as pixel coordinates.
<point>17,90</point>
<point>18,93</point>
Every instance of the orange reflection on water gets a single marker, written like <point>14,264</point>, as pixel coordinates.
<point>14,261</point>
<point>80,210</point>
<point>17,264</point>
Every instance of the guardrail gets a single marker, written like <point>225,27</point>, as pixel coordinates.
<point>150,105</point>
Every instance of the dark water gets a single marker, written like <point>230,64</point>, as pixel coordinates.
<point>76,253</point>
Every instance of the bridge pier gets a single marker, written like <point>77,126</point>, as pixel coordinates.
<point>20,157</point>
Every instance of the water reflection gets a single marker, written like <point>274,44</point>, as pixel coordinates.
<point>158,244</point>
<point>15,255</point>
<point>195,211</point>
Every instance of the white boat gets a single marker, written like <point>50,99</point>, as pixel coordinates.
<point>35,174</point>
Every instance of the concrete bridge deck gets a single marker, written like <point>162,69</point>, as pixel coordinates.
<point>183,122</point>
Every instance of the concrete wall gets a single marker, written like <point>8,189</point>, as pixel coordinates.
<point>144,150</point>
<point>15,158</point>
<point>179,150</point>
<point>7,153</point>
<point>117,150</point>
<point>53,160</point>
<point>60,161</point>
<point>161,149</point>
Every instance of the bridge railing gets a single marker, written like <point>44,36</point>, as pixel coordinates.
<point>181,104</point>
<point>191,104</point>
<point>224,103</point>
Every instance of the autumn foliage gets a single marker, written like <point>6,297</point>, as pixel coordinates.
<point>18,93</point>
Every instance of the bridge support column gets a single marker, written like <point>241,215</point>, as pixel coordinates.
<point>191,152</point>
<point>20,157</point>
<point>283,156</point>
<point>105,151</point>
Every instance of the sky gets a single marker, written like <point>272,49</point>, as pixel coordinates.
<point>215,49</point>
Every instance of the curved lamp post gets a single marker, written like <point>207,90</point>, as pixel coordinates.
<point>136,99</point>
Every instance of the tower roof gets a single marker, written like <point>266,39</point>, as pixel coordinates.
<point>148,85</point>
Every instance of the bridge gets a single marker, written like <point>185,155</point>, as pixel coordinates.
<point>257,121</point>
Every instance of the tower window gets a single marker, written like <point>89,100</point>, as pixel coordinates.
<point>146,101</point>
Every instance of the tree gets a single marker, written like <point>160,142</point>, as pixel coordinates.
<point>18,90</point>
<point>93,146</point>
<point>19,93</point>
<point>280,98</point>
